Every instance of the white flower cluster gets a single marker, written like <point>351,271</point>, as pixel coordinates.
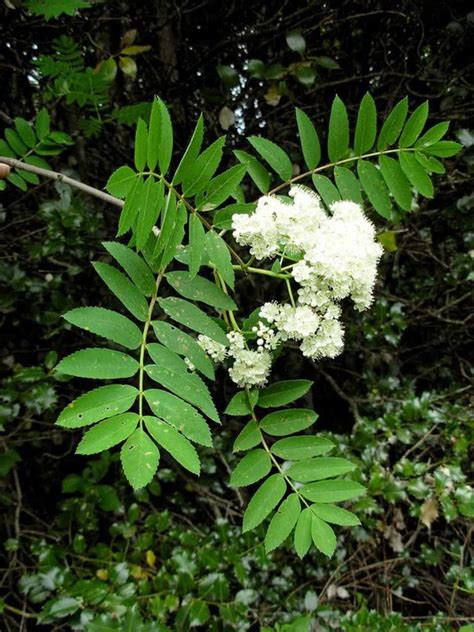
<point>250,368</point>
<point>337,257</point>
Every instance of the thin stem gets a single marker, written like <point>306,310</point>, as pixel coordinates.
<point>274,460</point>
<point>146,327</point>
<point>277,275</point>
<point>305,174</point>
<point>60,177</point>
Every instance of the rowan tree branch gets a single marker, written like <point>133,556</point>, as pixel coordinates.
<point>60,177</point>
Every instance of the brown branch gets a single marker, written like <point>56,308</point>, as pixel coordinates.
<point>60,177</point>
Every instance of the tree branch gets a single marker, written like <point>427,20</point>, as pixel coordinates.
<point>60,177</point>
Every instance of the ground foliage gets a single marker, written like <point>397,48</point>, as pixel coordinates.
<point>81,550</point>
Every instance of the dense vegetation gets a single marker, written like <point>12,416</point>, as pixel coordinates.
<point>81,550</point>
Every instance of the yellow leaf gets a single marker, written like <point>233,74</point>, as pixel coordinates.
<point>429,511</point>
<point>272,96</point>
<point>102,573</point>
<point>128,66</point>
<point>150,559</point>
<point>135,50</point>
<point>388,239</point>
<point>128,38</point>
<point>137,572</point>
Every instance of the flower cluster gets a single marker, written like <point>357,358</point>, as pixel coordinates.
<point>337,256</point>
<point>250,368</point>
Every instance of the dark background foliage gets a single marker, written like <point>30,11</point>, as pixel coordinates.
<point>79,548</point>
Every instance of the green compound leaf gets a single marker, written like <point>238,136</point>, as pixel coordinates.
<point>255,169</point>
<point>185,345</point>
<point>224,185</point>
<point>121,182</point>
<point>254,466</point>
<point>196,244</point>
<point>282,393</point>
<point>309,140</point>
<point>141,142</point>
<point>302,537</point>
<point>108,433</point>
<point>443,149</point>
<point>335,515</point>
<point>25,131</point>
<point>101,364</point>
<point>192,317</point>
<point>140,458</point>
<point>200,289</point>
<point>42,123</point>
<point>173,442</point>
<point>101,403</point>
<point>187,386</point>
<point>191,153</point>
<point>150,204</point>
<point>262,503</point>
<point>160,137</point>
<point>393,125</point>
<point>366,126</point>
<point>375,188</point>
<point>242,403</point>
<point>219,255</point>
<point>136,267</point>
<point>106,323</point>
<point>433,135</point>
<point>396,181</point>
<point>304,447</point>
<point>348,185</point>
<point>416,174</point>
<point>326,189</point>
<point>278,160</point>
<point>285,422</point>
<point>323,536</point>
<point>131,207</point>
<point>54,8</point>
<point>162,356</point>
<point>126,292</point>
<point>249,437</point>
<point>176,236</point>
<point>338,137</point>
<point>179,414</point>
<point>283,522</point>
<point>319,468</point>
<point>414,126</point>
<point>203,168</point>
<point>332,491</point>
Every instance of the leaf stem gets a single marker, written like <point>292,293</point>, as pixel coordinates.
<point>146,327</point>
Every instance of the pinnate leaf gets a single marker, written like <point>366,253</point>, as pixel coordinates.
<point>108,433</point>
<point>101,364</point>
<point>173,442</point>
<point>254,466</point>
<point>106,323</point>
<point>101,403</point>
<point>283,522</point>
<point>140,458</point>
<point>265,499</point>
